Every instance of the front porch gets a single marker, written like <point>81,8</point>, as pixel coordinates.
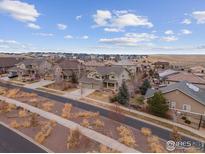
<point>109,84</point>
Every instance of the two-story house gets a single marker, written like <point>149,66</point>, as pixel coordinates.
<point>64,69</point>
<point>110,77</point>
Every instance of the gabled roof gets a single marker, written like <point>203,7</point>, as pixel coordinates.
<point>104,70</point>
<point>185,87</point>
<point>28,62</point>
<point>69,64</point>
<point>8,61</point>
<point>185,76</point>
<point>125,62</point>
<point>167,72</point>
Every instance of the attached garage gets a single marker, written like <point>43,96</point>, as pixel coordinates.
<point>91,85</point>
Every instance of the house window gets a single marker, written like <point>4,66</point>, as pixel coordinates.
<point>186,107</point>
<point>172,105</point>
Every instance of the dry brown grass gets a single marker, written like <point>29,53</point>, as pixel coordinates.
<point>73,139</point>
<point>146,131</point>
<point>126,136</point>
<point>47,106</point>
<point>66,111</point>
<point>98,123</point>
<point>45,132</point>
<point>105,149</point>
<point>12,93</point>
<point>155,145</point>
<point>15,124</point>
<point>87,115</point>
<point>22,113</point>
<point>85,123</point>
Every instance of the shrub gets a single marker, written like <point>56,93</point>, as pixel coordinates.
<point>26,124</point>
<point>126,136</point>
<point>88,114</point>
<point>73,138</point>
<point>146,131</point>
<point>105,149</point>
<point>155,145</point>
<point>47,106</point>
<point>85,123</point>
<point>187,121</point>
<point>14,124</point>
<point>66,110</point>
<point>113,99</point>
<point>183,118</point>
<point>98,123</point>
<point>22,113</point>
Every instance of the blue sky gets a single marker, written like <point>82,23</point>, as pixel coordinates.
<point>107,26</point>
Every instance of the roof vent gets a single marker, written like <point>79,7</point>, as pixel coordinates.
<point>192,87</point>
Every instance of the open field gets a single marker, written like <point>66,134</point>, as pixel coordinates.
<point>179,59</point>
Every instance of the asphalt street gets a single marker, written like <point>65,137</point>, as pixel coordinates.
<point>10,142</point>
<point>162,133</point>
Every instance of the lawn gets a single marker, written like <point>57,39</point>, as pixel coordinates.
<point>101,95</point>
<point>63,86</point>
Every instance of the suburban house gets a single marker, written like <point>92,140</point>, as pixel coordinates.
<point>197,69</point>
<point>161,65</point>
<point>109,77</point>
<point>185,76</point>
<point>65,68</point>
<point>92,65</point>
<point>8,62</point>
<point>28,68</point>
<point>165,73</point>
<point>182,96</point>
<point>131,66</point>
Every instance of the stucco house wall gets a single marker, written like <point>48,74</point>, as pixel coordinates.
<point>180,98</point>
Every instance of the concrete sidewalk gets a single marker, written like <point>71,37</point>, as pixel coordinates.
<point>100,138</point>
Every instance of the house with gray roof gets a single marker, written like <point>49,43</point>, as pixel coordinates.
<point>109,77</point>
<point>64,69</point>
<point>8,62</point>
<point>182,96</point>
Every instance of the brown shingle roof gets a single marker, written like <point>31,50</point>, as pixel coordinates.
<point>8,61</point>
<point>184,76</point>
<point>70,64</point>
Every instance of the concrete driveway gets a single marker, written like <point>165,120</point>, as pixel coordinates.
<point>41,83</point>
<point>77,94</point>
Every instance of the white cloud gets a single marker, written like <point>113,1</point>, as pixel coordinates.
<point>130,19</point>
<point>116,21</point>
<point>101,17</point>
<point>85,37</point>
<point>199,16</point>
<point>44,34</point>
<point>129,39</point>
<point>113,30</point>
<point>8,41</point>
<point>61,26</point>
<point>169,32</point>
<point>33,26</point>
<point>169,39</point>
<point>21,11</point>
<point>186,31</point>
<point>78,17</point>
<point>186,21</point>
<point>68,37</point>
